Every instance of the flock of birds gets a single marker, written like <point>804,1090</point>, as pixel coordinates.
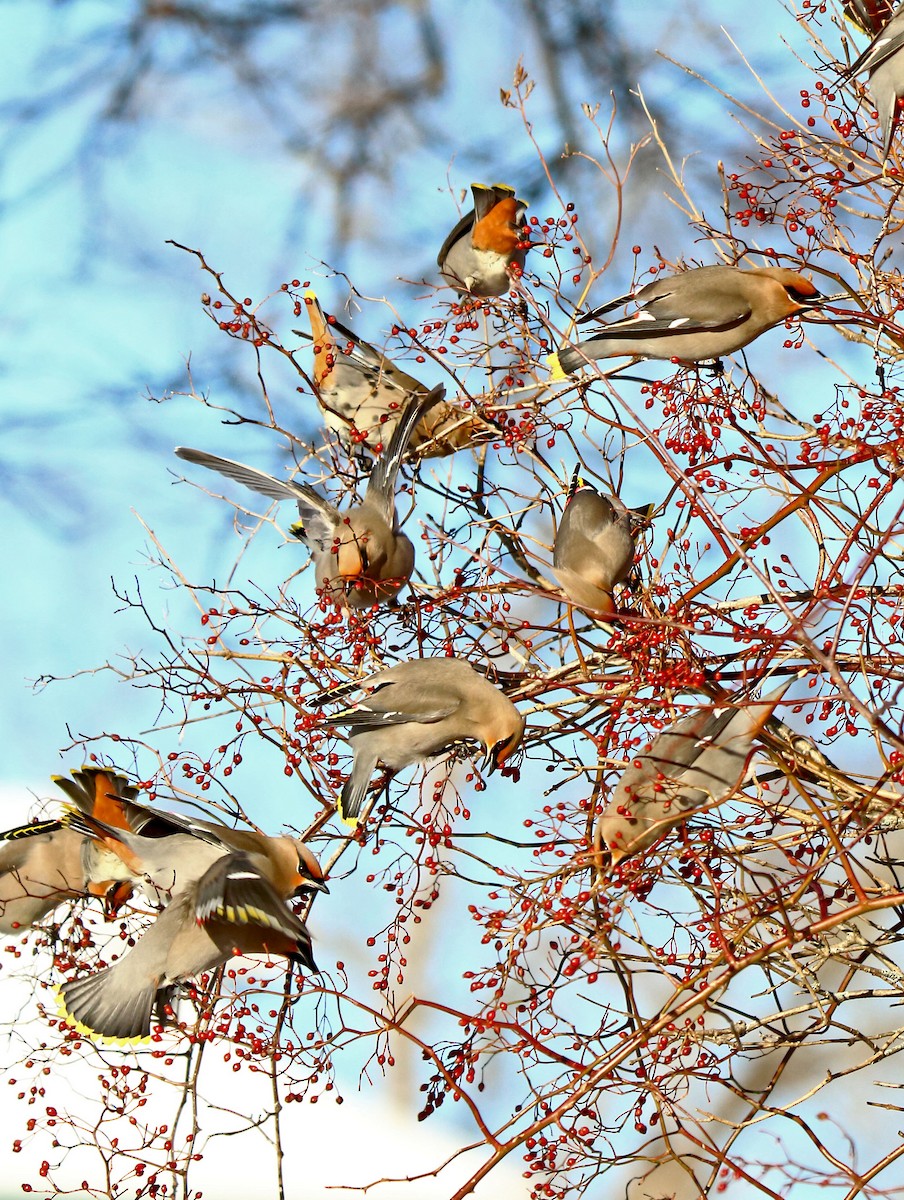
<point>221,891</point>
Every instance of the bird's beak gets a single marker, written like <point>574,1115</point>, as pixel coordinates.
<point>490,763</point>
<point>115,898</point>
<point>817,300</point>
<point>311,885</point>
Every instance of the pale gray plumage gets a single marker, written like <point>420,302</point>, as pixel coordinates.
<point>884,61</point>
<point>360,557</point>
<point>45,863</point>
<point>362,395</point>
<point>227,890</point>
<point>417,709</point>
<point>487,242</point>
<point>40,867</point>
<point>593,549</point>
<point>234,908</point>
<point>693,765</point>
<point>694,316</point>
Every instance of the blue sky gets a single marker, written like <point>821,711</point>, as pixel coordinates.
<point>100,313</point>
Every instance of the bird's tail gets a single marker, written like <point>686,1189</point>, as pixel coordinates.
<point>107,1007</point>
<point>354,792</point>
<point>556,369</point>
<point>383,476</point>
<point>566,361</point>
<point>103,793</point>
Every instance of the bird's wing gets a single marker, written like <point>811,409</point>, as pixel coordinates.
<point>646,323</point>
<point>249,477</point>
<point>235,891</point>
<point>319,518</point>
<point>592,315</point>
<point>391,703</point>
<point>461,230</point>
<point>382,481</point>
<point>16,843</point>
<point>881,49</point>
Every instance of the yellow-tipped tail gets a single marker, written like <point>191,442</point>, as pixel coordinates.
<point>351,822</point>
<point>91,1034</point>
<point>555,368</point>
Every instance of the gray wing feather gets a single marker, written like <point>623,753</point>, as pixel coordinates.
<point>881,49</point>
<point>234,890</point>
<point>318,516</point>
<point>382,481</point>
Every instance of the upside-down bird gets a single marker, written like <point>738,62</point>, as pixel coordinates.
<point>417,709</point>
<point>480,252</point>
<point>692,766</point>
<point>362,395</point>
<point>361,557</point>
<point>594,548</point>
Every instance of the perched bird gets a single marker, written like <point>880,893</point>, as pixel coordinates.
<point>487,242</point>
<point>594,548</point>
<point>361,557</point>
<point>362,394</point>
<point>45,863</point>
<point>693,765</point>
<point>694,316</point>
<point>417,709</point>
<point>884,62</point>
<point>228,890</point>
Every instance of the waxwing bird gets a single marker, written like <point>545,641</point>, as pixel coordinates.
<point>40,867</point>
<point>594,548</point>
<point>236,907</point>
<point>361,557</point>
<point>228,890</point>
<point>484,246</point>
<point>172,852</point>
<point>362,395</point>
<point>695,316</point>
<point>417,709</point>
<point>692,766</point>
<point>884,62</point>
<point>44,863</point>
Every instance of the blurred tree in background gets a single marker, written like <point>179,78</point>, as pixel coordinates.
<point>712,1017</point>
